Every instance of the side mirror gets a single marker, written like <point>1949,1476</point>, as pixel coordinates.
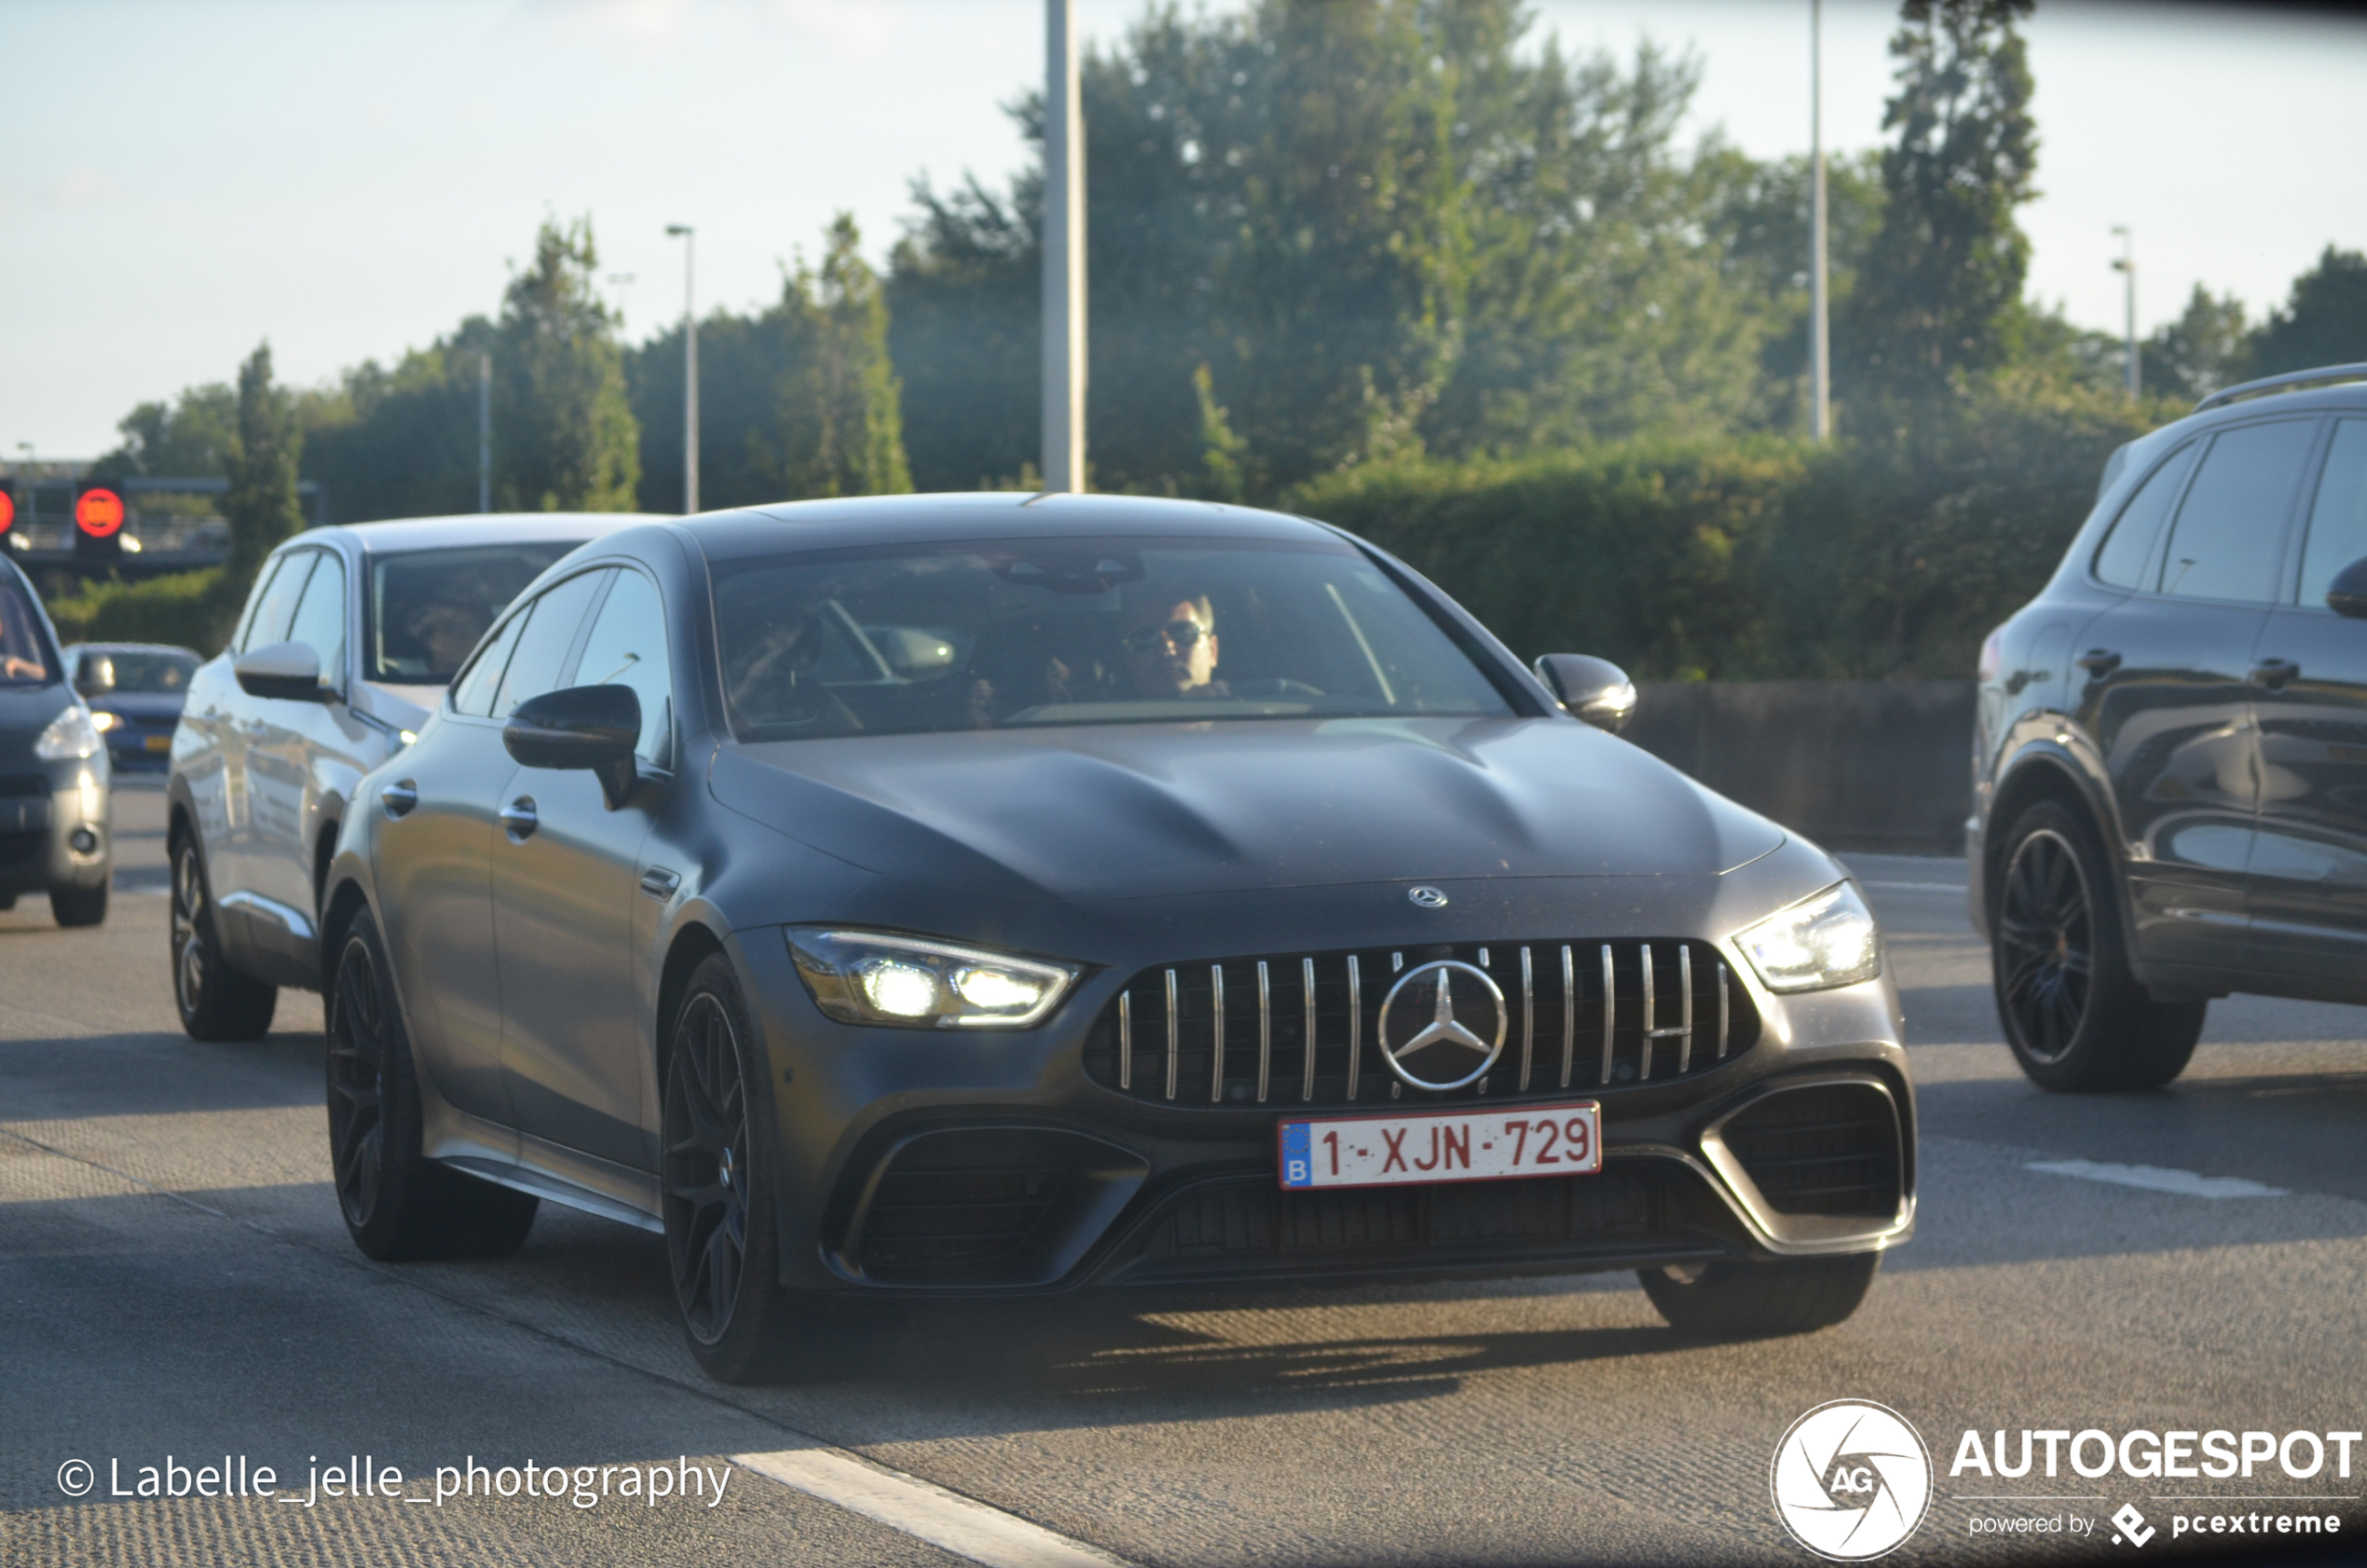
<point>96,675</point>
<point>290,671</point>
<point>2348,593</point>
<point>594,726</point>
<point>1590,689</point>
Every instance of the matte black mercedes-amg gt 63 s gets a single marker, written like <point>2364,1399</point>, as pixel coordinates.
<point>962,895</point>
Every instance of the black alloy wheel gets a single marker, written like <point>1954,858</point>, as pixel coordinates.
<point>722,1253</point>
<point>2045,946</point>
<point>398,1204</point>
<point>216,1002</point>
<point>2074,1013</point>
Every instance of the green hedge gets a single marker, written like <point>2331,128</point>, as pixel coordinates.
<point>1757,559</point>
<point>188,609</point>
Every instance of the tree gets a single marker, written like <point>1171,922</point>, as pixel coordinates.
<point>261,504</point>
<point>2198,353</point>
<point>2324,322</point>
<point>1940,294</point>
<point>189,438</point>
<point>840,420</point>
<point>564,435</point>
<point>400,441</point>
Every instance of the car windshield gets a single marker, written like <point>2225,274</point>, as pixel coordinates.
<point>151,674</point>
<point>21,661</point>
<point>429,608</point>
<point>1069,630</point>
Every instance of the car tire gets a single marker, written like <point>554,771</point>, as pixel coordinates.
<point>80,907</point>
<point>398,1205</point>
<point>717,1173</point>
<point>1759,1301</point>
<point>216,1002</point>
<point>2077,1019</point>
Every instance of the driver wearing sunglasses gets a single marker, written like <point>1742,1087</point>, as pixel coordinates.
<point>1172,651</point>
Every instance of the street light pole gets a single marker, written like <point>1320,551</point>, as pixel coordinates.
<point>1820,344</point>
<point>1063,252</point>
<point>2127,266</point>
<point>485,431</point>
<point>689,364</point>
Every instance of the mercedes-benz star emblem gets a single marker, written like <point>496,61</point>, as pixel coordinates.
<point>1442,1025</point>
<point>1428,898</point>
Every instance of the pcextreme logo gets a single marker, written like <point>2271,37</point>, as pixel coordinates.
<point>1851,1479</point>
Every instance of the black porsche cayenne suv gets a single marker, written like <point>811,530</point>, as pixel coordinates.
<point>956,896</point>
<point>2170,755</point>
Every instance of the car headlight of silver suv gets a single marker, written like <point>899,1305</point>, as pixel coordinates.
<point>71,736</point>
<point>912,982</point>
<point>1821,942</point>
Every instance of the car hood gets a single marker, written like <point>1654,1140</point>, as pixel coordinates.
<point>1160,811</point>
<point>145,707</point>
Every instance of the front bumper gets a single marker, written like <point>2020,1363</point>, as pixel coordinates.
<point>919,1164</point>
<point>56,828</point>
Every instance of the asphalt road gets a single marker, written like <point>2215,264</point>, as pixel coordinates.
<point>174,1280</point>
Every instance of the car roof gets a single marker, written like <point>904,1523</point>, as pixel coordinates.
<point>836,523</point>
<point>475,528</point>
<point>134,648</point>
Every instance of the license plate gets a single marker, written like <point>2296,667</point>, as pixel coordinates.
<point>160,743</point>
<point>1496,1145</point>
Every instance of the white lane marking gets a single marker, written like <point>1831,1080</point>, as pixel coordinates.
<point>2187,1183</point>
<point>1917,887</point>
<point>962,1525</point>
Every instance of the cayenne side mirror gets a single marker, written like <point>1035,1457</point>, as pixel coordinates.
<point>2348,593</point>
<point>1590,689</point>
<point>95,677</point>
<point>288,671</point>
<point>592,727</point>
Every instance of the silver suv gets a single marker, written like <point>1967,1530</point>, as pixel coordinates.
<point>339,656</point>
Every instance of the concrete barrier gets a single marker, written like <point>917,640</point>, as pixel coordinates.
<point>1880,766</point>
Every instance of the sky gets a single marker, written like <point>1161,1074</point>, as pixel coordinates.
<point>181,179</point>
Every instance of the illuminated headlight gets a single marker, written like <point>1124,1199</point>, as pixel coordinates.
<point>1818,943</point>
<point>909,982</point>
<point>103,721</point>
<point>71,735</point>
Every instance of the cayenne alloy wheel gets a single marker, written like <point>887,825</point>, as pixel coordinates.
<point>2073,1011</point>
<point>2045,946</point>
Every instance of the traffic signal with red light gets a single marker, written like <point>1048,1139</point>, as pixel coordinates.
<point>7,506</point>
<point>98,521</point>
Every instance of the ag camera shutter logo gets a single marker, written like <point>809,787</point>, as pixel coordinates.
<point>1851,1479</point>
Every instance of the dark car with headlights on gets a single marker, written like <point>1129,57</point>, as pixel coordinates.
<point>2171,752</point>
<point>969,895</point>
<point>134,692</point>
<point>56,803</point>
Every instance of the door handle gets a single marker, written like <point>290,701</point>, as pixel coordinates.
<point>519,819</point>
<point>659,883</point>
<point>2274,673</point>
<point>399,797</point>
<point>2098,661</point>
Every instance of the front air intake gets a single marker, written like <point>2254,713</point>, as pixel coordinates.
<point>1826,1148</point>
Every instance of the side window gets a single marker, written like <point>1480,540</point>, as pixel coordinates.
<point>2122,560</point>
<point>320,619</point>
<point>473,693</point>
<point>549,636</point>
<point>2338,519</point>
<point>274,609</point>
<point>2225,543</point>
<point>243,637</point>
<point>627,647</point>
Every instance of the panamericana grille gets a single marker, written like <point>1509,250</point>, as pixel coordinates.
<point>1581,1014</point>
<point>1825,1148</point>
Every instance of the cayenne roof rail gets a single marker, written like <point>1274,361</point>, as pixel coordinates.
<point>2290,381</point>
